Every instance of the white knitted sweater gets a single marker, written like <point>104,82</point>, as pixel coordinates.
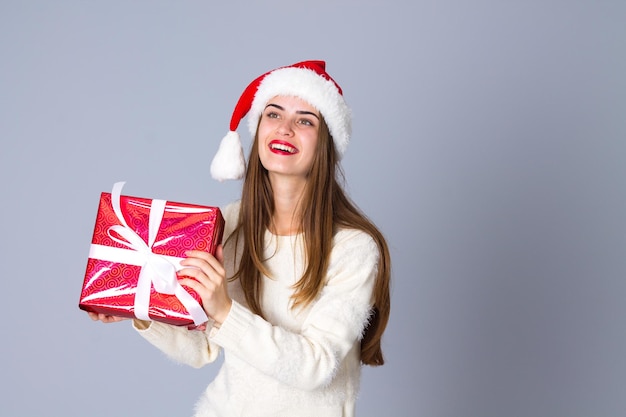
<point>294,363</point>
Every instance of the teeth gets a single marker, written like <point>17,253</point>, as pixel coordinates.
<point>282,147</point>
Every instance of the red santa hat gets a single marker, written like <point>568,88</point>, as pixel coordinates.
<point>307,80</point>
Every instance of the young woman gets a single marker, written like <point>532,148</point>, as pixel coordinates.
<point>298,296</point>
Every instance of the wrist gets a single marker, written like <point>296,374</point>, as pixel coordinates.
<point>220,317</point>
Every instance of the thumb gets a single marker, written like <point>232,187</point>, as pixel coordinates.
<point>219,254</point>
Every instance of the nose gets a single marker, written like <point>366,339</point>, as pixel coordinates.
<point>284,127</point>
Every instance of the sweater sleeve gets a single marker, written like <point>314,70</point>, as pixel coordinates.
<point>190,347</point>
<point>308,359</point>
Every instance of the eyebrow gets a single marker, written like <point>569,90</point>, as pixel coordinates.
<point>297,111</point>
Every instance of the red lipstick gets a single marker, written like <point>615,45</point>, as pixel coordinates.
<point>281,147</point>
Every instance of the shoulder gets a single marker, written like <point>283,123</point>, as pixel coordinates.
<point>353,263</point>
<point>353,246</point>
<point>345,239</point>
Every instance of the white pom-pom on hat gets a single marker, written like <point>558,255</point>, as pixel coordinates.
<point>229,162</point>
<point>307,80</point>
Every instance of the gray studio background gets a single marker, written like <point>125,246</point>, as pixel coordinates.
<point>489,146</point>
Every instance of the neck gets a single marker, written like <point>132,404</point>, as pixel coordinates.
<point>288,194</point>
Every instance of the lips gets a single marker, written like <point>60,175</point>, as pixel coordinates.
<point>282,148</point>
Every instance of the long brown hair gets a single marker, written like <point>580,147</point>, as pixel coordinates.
<point>324,209</point>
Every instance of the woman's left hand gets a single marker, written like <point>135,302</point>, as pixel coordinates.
<point>207,277</point>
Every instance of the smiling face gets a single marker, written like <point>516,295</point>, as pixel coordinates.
<point>287,136</point>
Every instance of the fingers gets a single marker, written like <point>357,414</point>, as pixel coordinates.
<point>105,318</point>
<point>198,282</point>
<point>201,260</point>
<point>204,267</point>
<point>200,327</point>
<point>219,254</point>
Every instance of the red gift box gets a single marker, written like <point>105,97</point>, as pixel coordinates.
<point>135,252</point>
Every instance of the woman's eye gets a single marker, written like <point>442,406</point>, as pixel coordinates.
<point>272,115</point>
<point>306,122</point>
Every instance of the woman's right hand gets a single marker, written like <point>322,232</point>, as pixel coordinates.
<point>105,318</point>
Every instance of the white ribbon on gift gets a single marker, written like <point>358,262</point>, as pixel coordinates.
<point>157,270</point>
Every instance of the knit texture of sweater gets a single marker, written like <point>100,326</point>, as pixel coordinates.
<point>301,362</point>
